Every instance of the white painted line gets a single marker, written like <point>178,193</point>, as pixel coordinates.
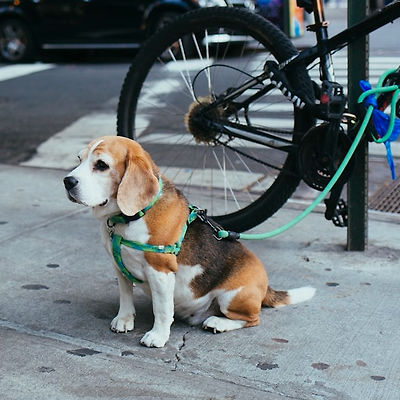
<point>16,71</point>
<point>61,150</point>
<point>236,180</point>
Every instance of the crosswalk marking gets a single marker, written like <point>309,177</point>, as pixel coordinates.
<point>16,71</point>
<point>240,180</point>
<point>377,66</point>
<point>61,149</point>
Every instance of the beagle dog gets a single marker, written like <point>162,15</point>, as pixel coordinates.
<point>157,242</point>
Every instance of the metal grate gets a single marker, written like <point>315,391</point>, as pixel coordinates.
<point>387,198</point>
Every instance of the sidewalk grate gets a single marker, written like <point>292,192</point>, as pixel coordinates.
<point>387,198</point>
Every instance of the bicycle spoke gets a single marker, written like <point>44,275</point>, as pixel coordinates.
<point>207,145</point>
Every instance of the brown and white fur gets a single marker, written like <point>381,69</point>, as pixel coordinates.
<point>219,284</point>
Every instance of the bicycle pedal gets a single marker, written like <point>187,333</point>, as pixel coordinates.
<point>340,216</point>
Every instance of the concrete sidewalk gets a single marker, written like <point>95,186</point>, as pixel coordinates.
<point>59,294</point>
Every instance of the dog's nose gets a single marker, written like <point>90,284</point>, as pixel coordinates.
<point>70,182</point>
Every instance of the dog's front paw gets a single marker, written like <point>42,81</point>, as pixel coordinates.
<point>122,324</point>
<point>154,339</point>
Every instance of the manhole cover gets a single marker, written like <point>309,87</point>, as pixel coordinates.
<point>387,198</point>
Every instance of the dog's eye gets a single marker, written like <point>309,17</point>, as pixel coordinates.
<point>101,165</point>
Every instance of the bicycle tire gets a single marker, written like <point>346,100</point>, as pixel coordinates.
<point>139,86</point>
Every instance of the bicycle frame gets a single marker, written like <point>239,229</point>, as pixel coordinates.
<point>326,45</point>
<point>321,50</point>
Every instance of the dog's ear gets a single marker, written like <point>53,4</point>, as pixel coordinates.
<point>138,186</point>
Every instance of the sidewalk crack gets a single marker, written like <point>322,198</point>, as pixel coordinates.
<point>180,347</point>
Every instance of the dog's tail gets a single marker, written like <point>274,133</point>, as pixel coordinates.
<point>275,298</point>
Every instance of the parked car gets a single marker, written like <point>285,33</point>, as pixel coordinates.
<point>27,26</point>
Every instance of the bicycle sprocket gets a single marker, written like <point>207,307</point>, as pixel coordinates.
<point>312,169</point>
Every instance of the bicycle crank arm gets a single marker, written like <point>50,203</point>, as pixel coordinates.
<point>336,208</point>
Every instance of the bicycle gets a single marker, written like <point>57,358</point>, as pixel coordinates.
<point>225,102</point>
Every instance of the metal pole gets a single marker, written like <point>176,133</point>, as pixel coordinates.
<point>357,189</point>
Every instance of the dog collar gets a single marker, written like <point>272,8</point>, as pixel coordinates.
<point>125,219</point>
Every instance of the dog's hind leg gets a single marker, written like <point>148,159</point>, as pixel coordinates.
<point>240,307</point>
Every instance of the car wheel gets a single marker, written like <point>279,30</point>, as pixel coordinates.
<point>16,41</point>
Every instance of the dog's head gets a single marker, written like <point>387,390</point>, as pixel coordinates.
<point>114,174</point>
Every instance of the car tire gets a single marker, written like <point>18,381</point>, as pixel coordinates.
<point>16,41</point>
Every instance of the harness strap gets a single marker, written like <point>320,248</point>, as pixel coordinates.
<point>116,250</point>
<point>118,241</point>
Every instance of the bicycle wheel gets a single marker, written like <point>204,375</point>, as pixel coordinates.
<point>189,64</point>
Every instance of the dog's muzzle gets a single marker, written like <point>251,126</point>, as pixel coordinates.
<point>70,183</point>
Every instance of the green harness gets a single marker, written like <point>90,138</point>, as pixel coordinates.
<point>118,241</point>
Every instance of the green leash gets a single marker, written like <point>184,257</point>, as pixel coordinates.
<point>260,236</point>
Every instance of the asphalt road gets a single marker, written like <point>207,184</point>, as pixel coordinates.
<point>36,106</point>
